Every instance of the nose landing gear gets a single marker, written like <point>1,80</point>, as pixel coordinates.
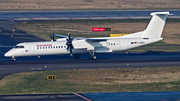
<point>13,58</point>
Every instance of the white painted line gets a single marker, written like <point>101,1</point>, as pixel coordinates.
<point>137,17</point>
<point>134,17</point>
<point>40,18</point>
<point>94,18</point>
<point>117,17</point>
<point>174,17</point>
<point>22,19</point>
<point>80,18</point>
<point>82,97</point>
<point>62,18</point>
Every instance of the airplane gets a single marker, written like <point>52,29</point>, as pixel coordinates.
<point>70,45</point>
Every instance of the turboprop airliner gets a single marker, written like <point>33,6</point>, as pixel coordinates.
<point>70,45</point>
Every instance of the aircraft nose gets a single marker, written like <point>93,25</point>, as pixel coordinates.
<point>8,54</point>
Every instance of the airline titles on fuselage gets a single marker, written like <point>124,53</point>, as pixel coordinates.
<point>46,46</point>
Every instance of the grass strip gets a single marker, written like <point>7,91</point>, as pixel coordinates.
<point>35,5</point>
<point>93,80</point>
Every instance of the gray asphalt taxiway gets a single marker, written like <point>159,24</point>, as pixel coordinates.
<point>108,60</point>
<point>65,62</point>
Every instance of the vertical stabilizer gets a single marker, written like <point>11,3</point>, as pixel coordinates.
<point>156,25</point>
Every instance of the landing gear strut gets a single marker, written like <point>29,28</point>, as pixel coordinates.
<point>93,55</point>
<point>77,56</point>
<point>13,58</point>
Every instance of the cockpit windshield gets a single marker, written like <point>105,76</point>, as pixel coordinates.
<point>19,47</point>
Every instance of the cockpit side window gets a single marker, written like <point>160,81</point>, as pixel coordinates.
<point>19,47</point>
<point>16,47</point>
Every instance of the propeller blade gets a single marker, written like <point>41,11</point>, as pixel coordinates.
<point>50,36</point>
<point>68,47</point>
<point>69,35</point>
<point>71,51</point>
<point>69,43</point>
<point>53,37</point>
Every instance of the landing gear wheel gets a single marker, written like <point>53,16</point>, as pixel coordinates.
<point>94,57</point>
<point>76,56</point>
<point>13,59</point>
<point>92,54</point>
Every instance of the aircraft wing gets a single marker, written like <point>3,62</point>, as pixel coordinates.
<point>90,43</point>
<point>61,36</point>
<point>80,43</point>
<point>95,40</point>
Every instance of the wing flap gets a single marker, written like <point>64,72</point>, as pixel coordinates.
<point>96,40</point>
<point>61,36</point>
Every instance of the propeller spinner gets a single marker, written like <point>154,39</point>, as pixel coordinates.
<point>69,43</point>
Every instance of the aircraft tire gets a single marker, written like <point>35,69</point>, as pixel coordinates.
<point>77,56</point>
<point>94,57</point>
<point>13,59</point>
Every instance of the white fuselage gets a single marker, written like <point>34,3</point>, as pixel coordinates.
<point>59,47</point>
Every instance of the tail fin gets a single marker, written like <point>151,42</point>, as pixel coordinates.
<point>156,25</point>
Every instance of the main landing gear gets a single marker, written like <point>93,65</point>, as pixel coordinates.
<point>93,55</point>
<point>77,56</point>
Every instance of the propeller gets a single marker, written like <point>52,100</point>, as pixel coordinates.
<point>52,37</point>
<point>69,43</point>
